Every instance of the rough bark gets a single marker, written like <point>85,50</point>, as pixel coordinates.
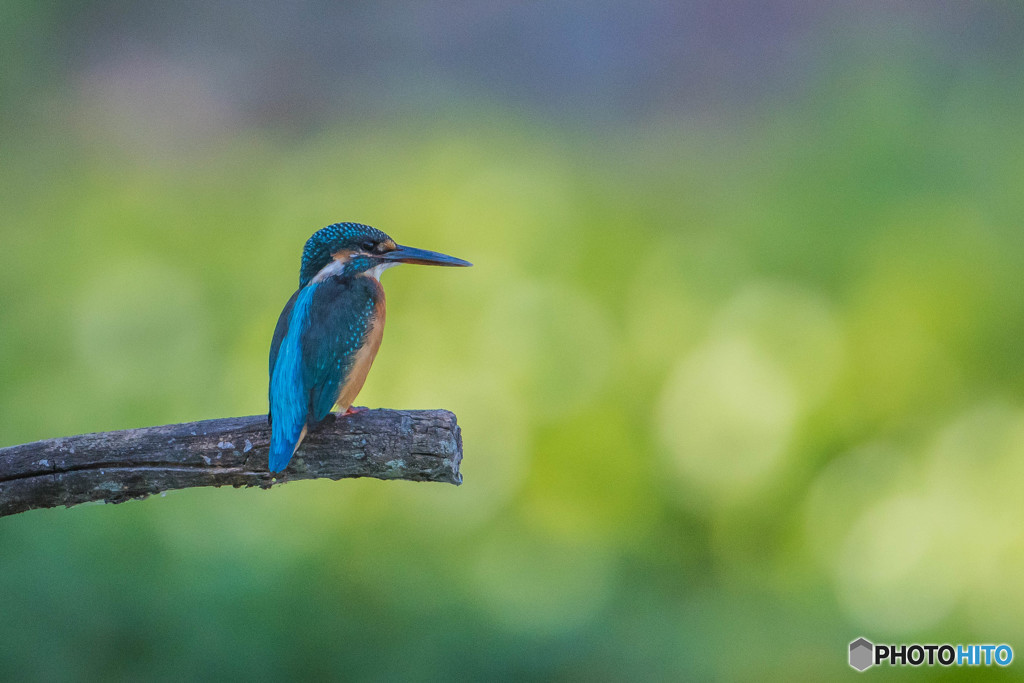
<point>416,445</point>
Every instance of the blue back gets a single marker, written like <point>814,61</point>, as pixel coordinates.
<point>317,338</point>
<point>289,403</point>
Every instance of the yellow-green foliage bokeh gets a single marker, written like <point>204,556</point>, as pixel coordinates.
<point>734,390</point>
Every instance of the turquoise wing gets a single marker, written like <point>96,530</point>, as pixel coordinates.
<point>311,357</point>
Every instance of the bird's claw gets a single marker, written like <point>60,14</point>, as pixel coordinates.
<point>352,410</point>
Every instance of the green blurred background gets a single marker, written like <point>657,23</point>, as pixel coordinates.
<point>737,368</point>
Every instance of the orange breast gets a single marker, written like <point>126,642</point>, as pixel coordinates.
<point>364,357</point>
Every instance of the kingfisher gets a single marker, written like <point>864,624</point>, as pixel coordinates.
<point>330,330</point>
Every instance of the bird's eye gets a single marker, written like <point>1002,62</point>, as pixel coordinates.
<point>369,245</point>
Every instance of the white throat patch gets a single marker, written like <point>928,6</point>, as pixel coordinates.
<point>333,268</point>
<point>380,268</point>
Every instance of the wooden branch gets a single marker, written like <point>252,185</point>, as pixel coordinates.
<point>417,445</point>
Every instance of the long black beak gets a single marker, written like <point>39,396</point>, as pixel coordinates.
<point>423,257</point>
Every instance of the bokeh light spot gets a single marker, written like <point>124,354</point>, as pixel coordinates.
<point>894,575</point>
<point>726,416</point>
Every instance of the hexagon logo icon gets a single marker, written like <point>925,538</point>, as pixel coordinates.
<point>861,654</point>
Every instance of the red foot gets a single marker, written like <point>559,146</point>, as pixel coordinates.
<point>352,410</point>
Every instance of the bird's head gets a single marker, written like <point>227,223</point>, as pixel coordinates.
<point>353,248</point>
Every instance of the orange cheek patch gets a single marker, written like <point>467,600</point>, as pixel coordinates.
<point>342,256</point>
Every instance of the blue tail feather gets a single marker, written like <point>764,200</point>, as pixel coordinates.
<point>289,398</point>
